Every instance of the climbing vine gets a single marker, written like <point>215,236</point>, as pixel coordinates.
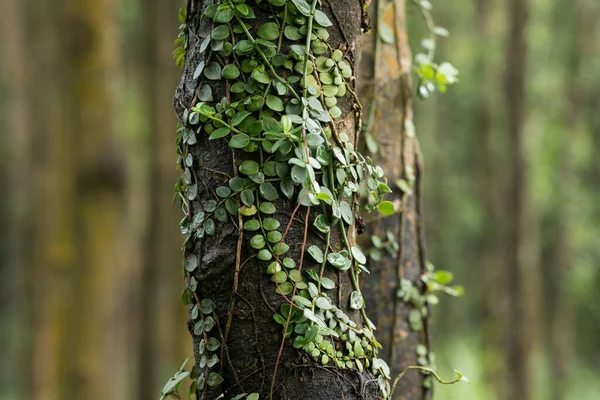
<point>281,115</point>
<point>430,76</point>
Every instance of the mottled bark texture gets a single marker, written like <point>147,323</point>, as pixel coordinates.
<point>248,359</point>
<point>387,82</point>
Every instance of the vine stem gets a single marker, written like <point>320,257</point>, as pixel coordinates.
<point>287,322</point>
<point>458,378</point>
<point>376,55</point>
<point>430,26</point>
<point>304,112</point>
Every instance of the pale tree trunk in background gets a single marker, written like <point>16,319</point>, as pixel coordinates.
<point>53,234</point>
<point>518,351</point>
<point>163,344</point>
<point>16,167</point>
<point>490,183</point>
<point>562,319</point>
<point>387,82</point>
<point>100,288</point>
<point>80,345</point>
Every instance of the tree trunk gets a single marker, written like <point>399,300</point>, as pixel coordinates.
<point>160,342</point>
<point>518,351</point>
<point>239,305</point>
<point>386,85</point>
<point>16,175</point>
<point>80,245</point>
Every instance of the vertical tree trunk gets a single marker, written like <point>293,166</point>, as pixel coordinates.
<point>233,304</point>
<point>16,176</point>
<point>518,351</point>
<point>386,86</point>
<point>494,279</point>
<point>80,246</point>
<point>578,41</point>
<point>160,341</point>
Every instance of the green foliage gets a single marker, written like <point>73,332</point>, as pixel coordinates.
<point>281,114</point>
<point>432,76</point>
<point>181,42</point>
<point>289,124</point>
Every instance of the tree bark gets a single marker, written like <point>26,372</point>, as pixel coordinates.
<point>386,87</point>
<point>228,272</point>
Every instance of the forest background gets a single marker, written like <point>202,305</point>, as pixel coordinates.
<point>89,297</point>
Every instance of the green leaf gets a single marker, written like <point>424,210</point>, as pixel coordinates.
<point>230,71</point>
<point>281,248</point>
<point>285,288</point>
<point>213,71</point>
<point>247,211</point>
<point>279,277</point>
<point>221,214</point>
<point>302,301</point>
<point>273,268</point>
<point>247,197</point>
<point>214,379</point>
<point>314,140</point>
<point>358,255</point>
<point>274,236</point>
<point>323,303</point>
<point>321,223</point>
<point>239,118</point>
<point>224,15</point>
<point>270,224</point>
<point>302,6</point>
<point>289,263</point>
<point>268,31</point>
<point>174,382</point>
<point>249,167</point>
<point>245,11</point>
<point>274,103</point>
<point>267,208</point>
<point>205,93</point>
<point>252,225</point>
<point>231,206</point>
<point>356,300</point>
<point>257,242</point>
<point>260,76</point>
<point>220,32</point>
<point>443,277</point>
<point>219,133</point>
<point>322,19</point>
<point>287,187</point>
<point>237,184</point>
<point>415,320</point>
<point>191,263</point>
<point>239,141</point>
<point>264,255</point>
<point>223,191</point>
<point>337,260</point>
<point>386,207</point>
<point>346,211</point>
<point>268,191</point>
<point>213,344</point>
<point>327,283</point>
<point>316,253</point>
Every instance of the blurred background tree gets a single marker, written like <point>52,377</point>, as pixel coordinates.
<point>89,251</point>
